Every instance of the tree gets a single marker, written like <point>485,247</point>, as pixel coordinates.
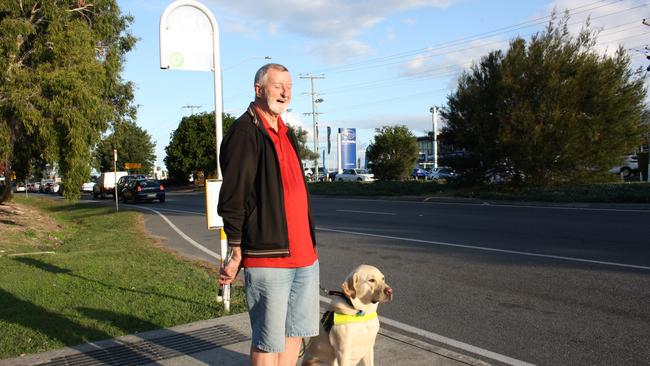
<point>60,84</point>
<point>193,146</point>
<point>133,145</point>
<point>304,153</point>
<point>548,111</point>
<point>393,153</point>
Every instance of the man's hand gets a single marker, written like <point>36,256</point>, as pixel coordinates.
<point>229,272</point>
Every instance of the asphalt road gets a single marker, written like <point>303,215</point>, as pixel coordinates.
<point>545,285</point>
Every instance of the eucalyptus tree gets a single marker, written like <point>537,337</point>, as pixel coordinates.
<point>60,83</point>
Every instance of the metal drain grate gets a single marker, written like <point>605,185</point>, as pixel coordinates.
<point>154,350</point>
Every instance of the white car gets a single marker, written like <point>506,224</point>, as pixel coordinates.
<point>87,187</point>
<point>630,165</point>
<point>355,175</point>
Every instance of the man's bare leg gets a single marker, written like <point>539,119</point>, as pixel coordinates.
<point>287,358</point>
<point>262,358</point>
<point>291,351</point>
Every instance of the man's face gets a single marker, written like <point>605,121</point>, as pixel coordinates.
<point>276,91</point>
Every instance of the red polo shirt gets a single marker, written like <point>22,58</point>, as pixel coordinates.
<point>301,248</point>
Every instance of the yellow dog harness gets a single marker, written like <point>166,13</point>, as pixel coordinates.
<point>357,318</point>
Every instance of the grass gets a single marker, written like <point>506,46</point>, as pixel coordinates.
<point>610,192</point>
<point>107,278</point>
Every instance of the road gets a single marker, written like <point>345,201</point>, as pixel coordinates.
<point>545,285</point>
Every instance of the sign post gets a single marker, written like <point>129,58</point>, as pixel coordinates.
<point>189,40</point>
<point>117,209</point>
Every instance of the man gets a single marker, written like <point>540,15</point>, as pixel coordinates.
<point>265,208</point>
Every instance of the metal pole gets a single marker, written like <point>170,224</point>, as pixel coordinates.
<point>117,209</point>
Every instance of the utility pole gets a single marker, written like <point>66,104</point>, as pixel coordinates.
<point>191,108</point>
<point>314,115</point>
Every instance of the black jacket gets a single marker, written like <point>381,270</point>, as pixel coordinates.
<point>251,200</point>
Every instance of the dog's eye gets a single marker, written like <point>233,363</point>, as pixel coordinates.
<point>372,280</point>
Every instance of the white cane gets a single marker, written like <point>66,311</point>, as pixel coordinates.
<point>225,291</point>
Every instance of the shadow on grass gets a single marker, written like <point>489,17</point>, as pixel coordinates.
<point>44,266</point>
<point>73,334</point>
<point>55,326</point>
<point>125,322</point>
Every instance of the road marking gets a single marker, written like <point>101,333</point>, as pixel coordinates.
<point>181,211</point>
<point>182,234</point>
<point>550,256</point>
<point>488,204</point>
<point>448,341</point>
<point>421,332</point>
<point>369,212</point>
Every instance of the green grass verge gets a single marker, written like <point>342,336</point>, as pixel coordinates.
<point>107,278</point>
<point>611,192</point>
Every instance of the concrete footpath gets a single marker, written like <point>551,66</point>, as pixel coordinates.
<point>222,341</point>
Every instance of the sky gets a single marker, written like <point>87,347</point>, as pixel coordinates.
<point>379,62</point>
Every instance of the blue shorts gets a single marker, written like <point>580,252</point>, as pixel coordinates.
<point>282,302</point>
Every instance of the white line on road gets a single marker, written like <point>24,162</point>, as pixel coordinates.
<point>421,332</point>
<point>181,211</point>
<point>491,204</point>
<point>369,212</point>
<point>182,234</point>
<point>487,249</point>
<point>444,340</point>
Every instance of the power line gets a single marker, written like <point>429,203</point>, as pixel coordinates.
<point>390,59</point>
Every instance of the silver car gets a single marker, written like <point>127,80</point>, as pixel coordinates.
<point>355,175</point>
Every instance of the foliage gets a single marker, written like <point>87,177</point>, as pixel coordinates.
<point>304,153</point>
<point>99,284</point>
<point>548,111</point>
<point>133,145</point>
<point>60,84</point>
<point>192,146</point>
<point>612,192</point>
<point>393,153</point>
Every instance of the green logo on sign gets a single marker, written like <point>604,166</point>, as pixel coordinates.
<point>176,59</point>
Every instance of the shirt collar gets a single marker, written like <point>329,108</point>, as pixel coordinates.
<point>281,126</point>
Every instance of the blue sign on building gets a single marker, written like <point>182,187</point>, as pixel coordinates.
<point>348,148</point>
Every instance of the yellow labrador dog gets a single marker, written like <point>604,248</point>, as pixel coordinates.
<point>352,321</point>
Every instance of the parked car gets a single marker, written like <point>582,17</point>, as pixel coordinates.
<point>442,174</point>
<point>418,173</point>
<point>355,175</point>
<point>143,190</point>
<point>87,187</point>
<point>629,166</point>
<point>20,187</point>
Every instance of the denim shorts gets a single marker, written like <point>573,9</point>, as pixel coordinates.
<point>282,302</point>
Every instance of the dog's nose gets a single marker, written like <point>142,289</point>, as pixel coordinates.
<point>388,291</point>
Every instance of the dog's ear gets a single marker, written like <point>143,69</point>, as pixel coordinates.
<point>350,286</point>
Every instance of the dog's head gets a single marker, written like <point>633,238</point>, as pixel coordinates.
<point>367,285</point>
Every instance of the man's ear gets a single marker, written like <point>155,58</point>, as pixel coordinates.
<point>258,90</point>
<point>350,286</point>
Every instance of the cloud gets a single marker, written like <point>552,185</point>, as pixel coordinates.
<point>338,52</point>
<point>450,60</point>
<point>409,21</point>
<point>618,23</point>
<point>337,22</point>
